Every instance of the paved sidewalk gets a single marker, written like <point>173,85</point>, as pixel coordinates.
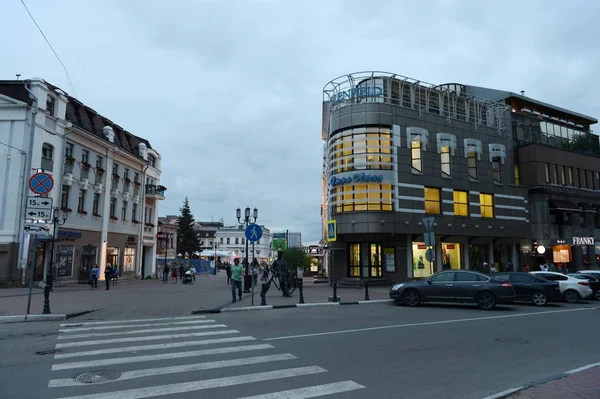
<point>582,385</point>
<point>141,298</point>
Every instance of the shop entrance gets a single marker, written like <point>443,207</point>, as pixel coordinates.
<point>365,260</point>
<point>374,270</point>
<point>88,259</point>
<point>450,260</point>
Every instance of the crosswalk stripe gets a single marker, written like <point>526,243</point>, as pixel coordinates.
<point>310,392</point>
<point>70,330</point>
<point>183,387</point>
<point>152,347</point>
<point>90,323</point>
<point>139,339</point>
<point>152,330</point>
<point>129,375</point>
<point>163,356</point>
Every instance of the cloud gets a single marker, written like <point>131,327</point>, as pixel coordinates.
<point>230,92</point>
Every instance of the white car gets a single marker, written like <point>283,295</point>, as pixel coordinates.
<point>571,288</point>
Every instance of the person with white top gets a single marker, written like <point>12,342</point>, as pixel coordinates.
<point>193,273</point>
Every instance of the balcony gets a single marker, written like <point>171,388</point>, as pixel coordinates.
<point>155,191</point>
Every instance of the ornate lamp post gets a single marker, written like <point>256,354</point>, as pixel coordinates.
<point>246,221</point>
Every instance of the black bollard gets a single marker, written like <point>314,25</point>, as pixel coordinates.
<point>335,298</point>
<point>47,294</point>
<point>300,284</point>
<point>367,290</point>
<point>263,295</point>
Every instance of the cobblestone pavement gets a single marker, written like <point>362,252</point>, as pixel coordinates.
<point>142,298</point>
<point>582,385</point>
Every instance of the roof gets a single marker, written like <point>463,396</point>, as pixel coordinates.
<point>81,116</point>
<point>500,95</point>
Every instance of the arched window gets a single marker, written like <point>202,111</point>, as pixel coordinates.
<point>47,157</point>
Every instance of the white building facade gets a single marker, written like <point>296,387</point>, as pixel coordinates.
<point>233,240</point>
<point>106,186</point>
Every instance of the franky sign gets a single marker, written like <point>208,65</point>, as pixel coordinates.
<point>361,177</point>
<point>363,91</point>
<point>583,241</point>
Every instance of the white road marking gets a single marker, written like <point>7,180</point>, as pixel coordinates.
<point>170,345</point>
<point>163,356</point>
<point>310,392</point>
<point>151,330</point>
<point>70,330</point>
<point>139,339</point>
<point>129,375</point>
<point>183,387</point>
<point>90,323</point>
<point>428,323</point>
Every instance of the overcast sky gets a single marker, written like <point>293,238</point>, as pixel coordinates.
<point>229,92</point>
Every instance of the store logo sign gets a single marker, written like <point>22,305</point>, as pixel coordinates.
<point>361,177</point>
<point>583,241</point>
<point>362,91</point>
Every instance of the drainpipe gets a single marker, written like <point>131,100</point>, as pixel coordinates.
<point>142,221</point>
<point>26,168</point>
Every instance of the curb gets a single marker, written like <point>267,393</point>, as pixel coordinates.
<point>298,305</point>
<point>509,392</point>
<point>32,317</point>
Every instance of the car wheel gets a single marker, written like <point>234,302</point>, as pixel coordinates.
<point>539,299</point>
<point>571,296</point>
<point>486,301</point>
<point>597,295</point>
<point>411,298</point>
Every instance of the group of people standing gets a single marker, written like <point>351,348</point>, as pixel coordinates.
<point>234,275</point>
<point>110,274</point>
<point>182,271</point>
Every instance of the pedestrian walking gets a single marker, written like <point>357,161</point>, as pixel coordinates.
<point>193,271</point>
<point>107,275</point>
<point>255,271</point>
<point>181,271</point>
<point>228,271</point>
<point>236,278</point>
<point>166,274</point>
<point>174,274</point>
<point>115,275</point>
<point>94,276</point>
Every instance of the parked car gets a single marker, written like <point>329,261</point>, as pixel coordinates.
<point>593,280</point>
<point>457,286</point>
<point>571,288</point>
<point>595,273</point>
<point>534,289</point>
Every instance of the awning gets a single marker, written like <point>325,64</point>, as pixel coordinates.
<point>562,205</point>
<point>587,207</point>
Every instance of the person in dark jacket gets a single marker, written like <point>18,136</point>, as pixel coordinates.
<point>108,272</point>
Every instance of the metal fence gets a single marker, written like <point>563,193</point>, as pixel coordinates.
<point>202,266</point>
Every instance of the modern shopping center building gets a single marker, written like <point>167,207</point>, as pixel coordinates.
<point>507,179</point>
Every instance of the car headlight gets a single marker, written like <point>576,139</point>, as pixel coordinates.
<point>397,286</point>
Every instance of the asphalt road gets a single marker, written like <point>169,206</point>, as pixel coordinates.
<point>369,351</point>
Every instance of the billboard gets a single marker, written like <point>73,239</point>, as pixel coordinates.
<point>295,240</point>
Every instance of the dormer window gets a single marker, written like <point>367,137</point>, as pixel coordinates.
<point>50,104</point>
<point>151,161</point>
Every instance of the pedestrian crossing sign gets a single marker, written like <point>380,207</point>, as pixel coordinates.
<point>331,230</point>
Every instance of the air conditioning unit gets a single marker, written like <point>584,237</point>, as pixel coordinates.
<point>68,179</point>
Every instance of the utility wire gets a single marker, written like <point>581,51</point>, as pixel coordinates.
<point>14,148</point>
<point>52,48</point>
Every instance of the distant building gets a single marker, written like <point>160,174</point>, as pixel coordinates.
<point>233,239</point>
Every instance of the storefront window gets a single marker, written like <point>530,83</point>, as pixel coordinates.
<point>112,256</point>
<point>561,254</point>
<point>64,260</point>
<point>421,266</point>
<point>129,259</point>
<point>354,260</point>
<point>375,258</point>
<point>451,256</point>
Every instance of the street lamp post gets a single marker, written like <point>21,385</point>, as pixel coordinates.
<point>50,276</point>
<point>215,260</point>
<point>246,221</point>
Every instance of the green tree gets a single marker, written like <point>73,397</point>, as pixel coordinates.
<point>187,239</point>
<point>295,258</point>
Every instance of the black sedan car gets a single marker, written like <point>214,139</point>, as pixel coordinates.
<point>531,288</point>
<point>593,279</point>
<point>457,286</point>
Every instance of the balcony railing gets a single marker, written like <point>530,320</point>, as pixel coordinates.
<point>156,191</point>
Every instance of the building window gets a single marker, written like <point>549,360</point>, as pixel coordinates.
<point>362,197</point>
<point>151,160</point>
<point>354,264</point>
<point>472,165</point>
<point>81,202</point>
<point>99,161</point>
<point>134,212</point>
<point>243,241</point>
<point>497,169</point>
<point>85,156</point>
<point>126,173</point>
<point>432,201</point>
<point>517,175</point>
<point>69,150</point>
<point>486,204</point>
<point>547,171</point>
<point>446,164</point>
<point>113,207</point>
<point>416,157</point>
<point>96,205</point>
<point>237,240</point>
<point>128,259</point>
<point>562,175</point>
<point>136,177</point>
<point>124,211</point>
<point>228,240</point>
<point>461,203</point>
<point>47,151</point>
<point>554,174</point>
<point>50,104</point>
<point>115,170</point>
<point>64,198</point>
<point>361,148</point>
<point>221,240</point>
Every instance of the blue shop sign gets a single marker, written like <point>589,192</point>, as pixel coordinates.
<point>363,91</point>
<point>69,235</point>
<point>361,177</point>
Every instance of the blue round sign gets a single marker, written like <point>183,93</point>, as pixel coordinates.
<point>253,232</point>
